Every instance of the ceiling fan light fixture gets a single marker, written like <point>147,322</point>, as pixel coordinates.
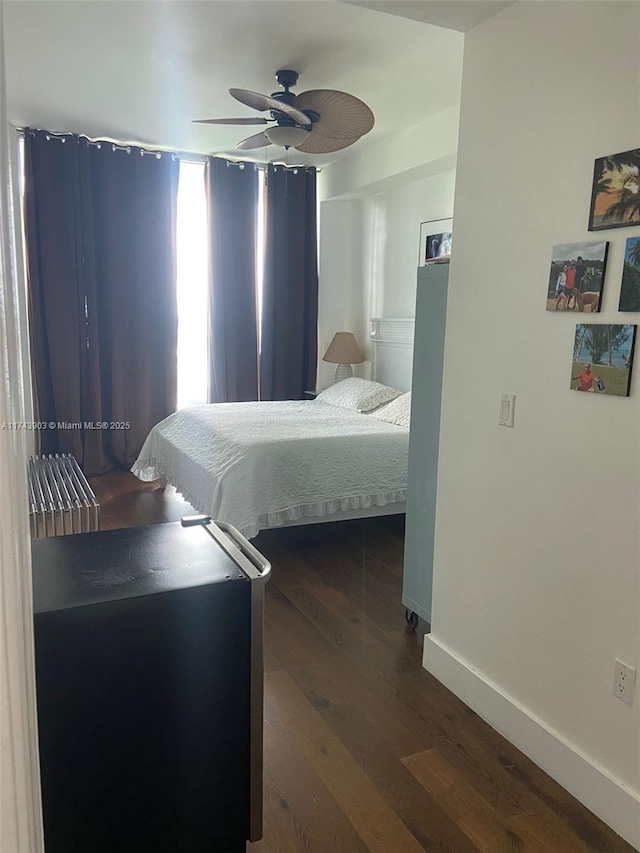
<point>288,137</point>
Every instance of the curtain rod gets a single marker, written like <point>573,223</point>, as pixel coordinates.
<point>241,164</point>
<point>116,143</point>
<point>187,156</point>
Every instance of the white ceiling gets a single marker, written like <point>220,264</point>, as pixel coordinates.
<point>141,71</point>
<point>461,15</point>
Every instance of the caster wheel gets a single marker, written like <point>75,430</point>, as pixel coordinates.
<point>411,619</point>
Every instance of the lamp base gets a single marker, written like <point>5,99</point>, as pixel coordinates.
<point>343,371</point>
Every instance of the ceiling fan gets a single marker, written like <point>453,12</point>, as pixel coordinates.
<point>317,122</point>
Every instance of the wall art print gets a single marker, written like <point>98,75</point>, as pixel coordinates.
<point>577,276</point>
<point>435,241</point>
<point>615,192</point>
<point>630,289</point>
<point>603,358</point>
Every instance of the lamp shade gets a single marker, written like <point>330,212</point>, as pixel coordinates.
<point>343,349</point>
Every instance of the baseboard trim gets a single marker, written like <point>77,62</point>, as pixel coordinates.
<point>608,798</point>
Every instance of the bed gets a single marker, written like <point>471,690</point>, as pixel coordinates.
<point>273,464</point>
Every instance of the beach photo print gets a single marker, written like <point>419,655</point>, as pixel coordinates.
<point>602,358</point>
<point>577,276</point>
<point>630,290</point>
<point>615,192</point>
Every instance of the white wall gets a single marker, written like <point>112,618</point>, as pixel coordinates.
<point>371,206</point>
<point>340,282</point>
<point>428,147</point>
<point>537,562</point>
<point>392,236</point>
<point>20,818</point>
<point>368,258</point>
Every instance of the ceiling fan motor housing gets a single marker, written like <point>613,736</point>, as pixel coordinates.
<point>286,78</point>
<point>283,120</point>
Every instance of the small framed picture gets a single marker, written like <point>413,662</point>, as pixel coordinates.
<point>615,193</point>
<point>603,358</point>
<point>435,241</point>
<point>630,290</point>
<point>576,276</point>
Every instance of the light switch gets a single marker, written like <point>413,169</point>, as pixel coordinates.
<point>507,407</point>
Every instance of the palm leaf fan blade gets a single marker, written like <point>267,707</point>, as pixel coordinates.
<point>316,144</point>
<point>265,102</point>
<point>258,140</point>
<point>342,116</point>
<point>254,120</point>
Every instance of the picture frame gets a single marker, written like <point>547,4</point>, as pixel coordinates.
<point>630,286</point>
<point>435,241</point>
<point>602,358</point>
<point>576,276</point>
<point>615,191</point>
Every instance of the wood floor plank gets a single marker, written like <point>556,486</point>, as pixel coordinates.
<point>463,750</point>
<point>367,585</point>
<point>489,831</point>
<point>332,614</point>
<point>435,777</point>
<point>271,662</point>
<point>550,832</point>
<point>295,574</point>
<point>421,812</point>
<point>126,501</point>
<point>594,834</point>
<point>311,649</point>
<point>308,599</point>
<point>373,818</point>
<point>300,813</point>
<point>386,541</point>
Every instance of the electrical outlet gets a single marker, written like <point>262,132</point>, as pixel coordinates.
<point>624,682</point>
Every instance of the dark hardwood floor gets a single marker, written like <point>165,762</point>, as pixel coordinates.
<point>364,749</point>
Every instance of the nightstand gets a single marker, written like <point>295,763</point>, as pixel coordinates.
<point>311,395</point>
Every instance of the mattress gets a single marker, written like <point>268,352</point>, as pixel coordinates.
<point>259,465</point>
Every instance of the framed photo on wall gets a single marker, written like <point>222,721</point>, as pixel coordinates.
<point>576,276</point>
<point>435,241</point>
<point>603,358</point>
<point>630,290</point>
<point>615,192</point>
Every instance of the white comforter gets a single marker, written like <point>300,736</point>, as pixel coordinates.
<point>258,465</point>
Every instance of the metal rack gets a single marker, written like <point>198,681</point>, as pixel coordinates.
<point>61,500</point>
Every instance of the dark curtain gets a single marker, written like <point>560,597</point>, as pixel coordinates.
<point>53,226</point>
<point>232,205</point>
<point>100,223</point>
<point>288,357</point>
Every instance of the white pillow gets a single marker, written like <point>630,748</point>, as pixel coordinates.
<point>361,395</point>
<point>398,411</point>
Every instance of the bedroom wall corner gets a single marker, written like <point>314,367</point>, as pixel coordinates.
<point>369,252</point>
<point>371,204</point>
<point>537,552</point>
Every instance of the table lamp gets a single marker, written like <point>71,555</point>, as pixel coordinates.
<point>343,351</point>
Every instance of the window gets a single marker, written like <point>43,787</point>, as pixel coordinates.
<point>192,286</point>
